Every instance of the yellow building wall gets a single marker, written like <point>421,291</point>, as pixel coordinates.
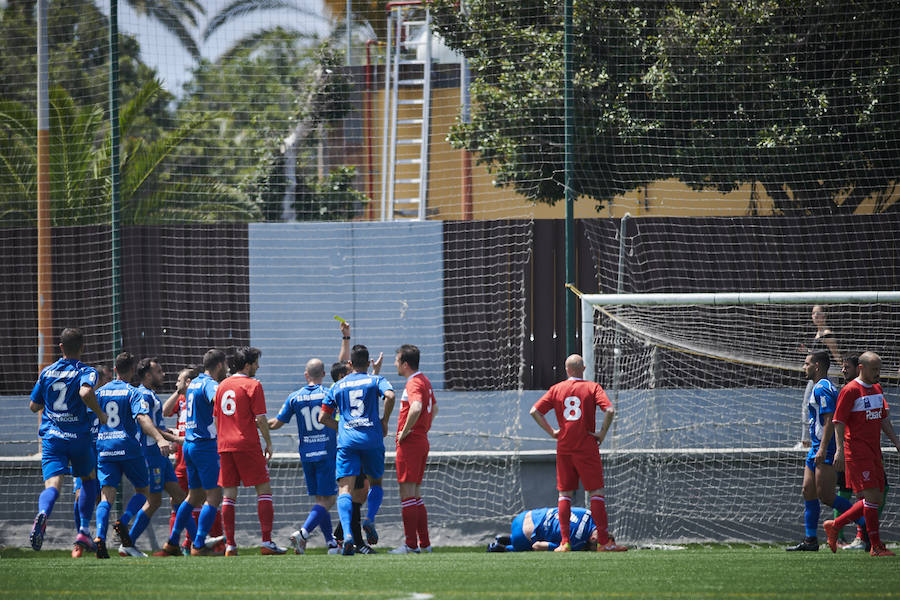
<point>668,198</point>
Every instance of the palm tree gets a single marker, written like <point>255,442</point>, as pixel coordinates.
<point>80,183</point>
<point>178,16</point>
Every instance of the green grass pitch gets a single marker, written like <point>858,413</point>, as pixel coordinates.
<point>710,571</point>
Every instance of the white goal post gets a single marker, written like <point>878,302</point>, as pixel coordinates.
<point>589,302</point>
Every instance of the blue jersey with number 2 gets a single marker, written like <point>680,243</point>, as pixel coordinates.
<point>58,390</point>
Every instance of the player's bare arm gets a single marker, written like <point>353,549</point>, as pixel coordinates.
<point>607,421</point>
<point>171,403</point>
<point>328,420</point>
<point>542,422</point>
<point>888,429</point>
<point>415,411</point>
<point>827,434</point>
<point>344,354</point>
<point>275,424</point>
<point>838,463</point>
<point>151,430</point>
<point>376,364</point>
<point>388,409</point>
<point>90,400</point>
<point>263,425</point>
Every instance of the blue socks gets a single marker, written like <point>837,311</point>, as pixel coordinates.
<point>204,523</point>
<point>140,524</point>
<point>345,511</point>
<point>90,489</point>
<point>325,525</point>
<point>134,505</point>
<point>183,516</point>
<point>811,517</point>
<point>47,499</point>
<point>373,501</point>
<point>102,518</point>
<point>312,520</point>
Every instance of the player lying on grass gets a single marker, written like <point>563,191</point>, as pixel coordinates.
<point>538,529</point>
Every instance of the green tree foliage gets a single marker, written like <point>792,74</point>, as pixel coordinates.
<point>801,96</point>
<point>79,168</point>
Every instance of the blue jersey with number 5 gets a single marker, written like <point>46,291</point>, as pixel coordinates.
<point>58,391</point>
<point>120,438</point>
<point>317,442</point>
<point>356,398</point>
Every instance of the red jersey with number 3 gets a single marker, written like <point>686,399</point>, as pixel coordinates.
<point>239,399</point>
<point>575,402</point>
<point>861,408</point>
<point>418,389</point>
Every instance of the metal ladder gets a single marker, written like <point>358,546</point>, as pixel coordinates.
<point>406,125</point>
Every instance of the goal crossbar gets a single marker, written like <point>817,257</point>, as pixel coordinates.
<point>589,301</point>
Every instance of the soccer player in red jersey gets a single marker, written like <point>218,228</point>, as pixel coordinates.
<point>240,410</point>
<point>859,419</point>
<point>417,410</point>
<point>575,402</point>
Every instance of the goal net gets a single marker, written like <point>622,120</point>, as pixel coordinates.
<point>709,395</point>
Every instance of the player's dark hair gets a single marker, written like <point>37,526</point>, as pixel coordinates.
<point>243,356</point>
<point>410,355</point>
<point>125,363</point>
<point>821,358</point>
<point>72,340</point>
<point>212,358</point>
<point>359,357</point>
<point>852,359</point>
<point>143,367</point>
<point>339,370</point>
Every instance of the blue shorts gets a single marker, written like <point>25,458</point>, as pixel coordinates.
<point>110,472</point>
<point>520,543</point>
<point>57,453</point>
<point>201,457</point>
<point>354,461</point>
<point>319,477</point>
<point>79,483</point>
<point>161,470</point>
<point>811,458</point>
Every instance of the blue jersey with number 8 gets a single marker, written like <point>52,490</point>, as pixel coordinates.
<point>120,438</point>
<point>356,398</point>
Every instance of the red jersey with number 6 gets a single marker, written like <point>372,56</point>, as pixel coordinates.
<point>418,389</point>
<point>861,408</point>
<point>575,402</point>
<point>239,399</point>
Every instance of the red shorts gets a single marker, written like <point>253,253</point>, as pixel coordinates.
<point>572,467</point>
<point>247,467</point>
<point>411,458</point>
<point>864,475</point>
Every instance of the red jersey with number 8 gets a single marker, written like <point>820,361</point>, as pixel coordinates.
<point>575,403</point>
<point>239,399</point>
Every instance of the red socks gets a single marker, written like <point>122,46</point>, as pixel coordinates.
<point>598,514</point>
<point>565,513</point>
<point>870,512</point>
<point>422,528</point>
<point>409,510</point>
<point>266,515</point>
<point>228,520</point>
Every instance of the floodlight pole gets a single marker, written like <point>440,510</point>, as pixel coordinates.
<point>46,352</point>
<point>115,175</point>
<point>570,200</point>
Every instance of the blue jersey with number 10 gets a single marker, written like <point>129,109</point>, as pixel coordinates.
<point>546,526</point>
<point>356,397</point>
<point>58,390</point>
<point>201,396</point>
<point>120,438</point>
<point>317,442</point>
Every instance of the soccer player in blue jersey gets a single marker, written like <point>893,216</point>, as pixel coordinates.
<point>63,394</point>
<point>818,474</point>
<point>360,442</point>
<point>201,456</point>
<point>318,449</point>
<point>120,450</point>
<point>538,529</point>
<point>162,473</point>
